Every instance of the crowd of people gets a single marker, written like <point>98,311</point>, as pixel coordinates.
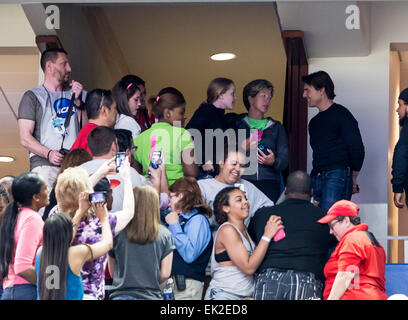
<point>121,197</point>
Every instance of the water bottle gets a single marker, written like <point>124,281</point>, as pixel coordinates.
<point>168,290</point>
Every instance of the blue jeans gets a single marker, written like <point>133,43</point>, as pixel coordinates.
<point>332,186</point>
<point>20,292</point>
<point>220,294</point>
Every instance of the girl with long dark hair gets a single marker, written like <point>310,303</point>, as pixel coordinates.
<point>57,254</point>
<point>128,102</point>
<point>21,235</point>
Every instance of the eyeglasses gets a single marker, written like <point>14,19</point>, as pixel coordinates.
<point>331,225</point>
<point>100,104</point>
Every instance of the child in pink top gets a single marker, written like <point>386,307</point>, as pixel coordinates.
<point>21,236</point>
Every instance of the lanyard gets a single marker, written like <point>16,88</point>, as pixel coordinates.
<point>68,117</point>
<point>49,99</point>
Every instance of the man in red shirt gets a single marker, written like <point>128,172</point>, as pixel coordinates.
<point>356,268</point>
<point>101,111</point>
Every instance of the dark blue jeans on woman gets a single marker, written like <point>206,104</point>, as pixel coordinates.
<point>331,186</point>
<point>20,292</point>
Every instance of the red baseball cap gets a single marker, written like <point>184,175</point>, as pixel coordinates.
<point>340,208</point>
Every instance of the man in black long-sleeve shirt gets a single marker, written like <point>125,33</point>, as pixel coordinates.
<point>292,268</point>
<point>338,150</point>
<point>399,171</point>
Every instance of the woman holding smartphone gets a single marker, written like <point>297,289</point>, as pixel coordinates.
<point>169,136</point>
<point>70,184</point>
<point>57,251</point>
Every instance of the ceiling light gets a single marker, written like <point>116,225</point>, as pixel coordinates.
<point>222,56</point>
<point>6,159</point>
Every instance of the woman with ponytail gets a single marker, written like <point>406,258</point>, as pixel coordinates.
<point>192,236</point>
<point>168,136</point>
<point>21,235</point>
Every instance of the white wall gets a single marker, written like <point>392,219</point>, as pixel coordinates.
<point>15,29</point>
<point>362,85</point>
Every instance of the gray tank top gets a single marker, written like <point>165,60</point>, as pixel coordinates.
<point>230,278</point>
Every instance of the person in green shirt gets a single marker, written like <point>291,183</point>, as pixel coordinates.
<point>168,136</point>
<point>265,134</point>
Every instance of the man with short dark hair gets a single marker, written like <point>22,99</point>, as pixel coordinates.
<point>338,150</point>
<point>101,111</point>
<point>292,268</point>
<point>43,112</point>
<point>125,144</point>
<point>399,171</point>
<point>103,145</point>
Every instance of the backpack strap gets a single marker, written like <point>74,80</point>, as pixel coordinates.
<point>373,240</point>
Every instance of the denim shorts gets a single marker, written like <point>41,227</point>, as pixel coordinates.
<point>221,294</point>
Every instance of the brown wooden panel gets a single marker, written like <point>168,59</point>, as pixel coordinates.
<point>295,107</point>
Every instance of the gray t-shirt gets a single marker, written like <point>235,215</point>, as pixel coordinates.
<point>49,109</point>
<point>256,198</point>
<point>137,268</point>
<point>117,192</point>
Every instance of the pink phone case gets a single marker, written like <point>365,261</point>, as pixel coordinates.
<point>279,235</point>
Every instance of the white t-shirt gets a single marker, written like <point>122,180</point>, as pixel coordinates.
<point>256,198</point>
<point>125,122</point>
<point>117,193</point>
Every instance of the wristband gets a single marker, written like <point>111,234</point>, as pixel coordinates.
<point>266,239</point>
<point>48,155</point>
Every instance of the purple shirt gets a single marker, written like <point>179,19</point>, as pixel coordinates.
<point>93,272</point>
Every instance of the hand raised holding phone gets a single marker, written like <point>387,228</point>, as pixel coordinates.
<point>124,167</point>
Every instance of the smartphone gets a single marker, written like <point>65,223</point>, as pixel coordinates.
<point>120,156</point>
<point>98,197</point>
<point>156,159</point>
<point>262,147</point>
<point>279,235</point>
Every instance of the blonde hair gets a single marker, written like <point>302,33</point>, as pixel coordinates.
<point>69,185</point>
<point>144,227</point>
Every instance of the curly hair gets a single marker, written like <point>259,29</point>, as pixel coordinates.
<point>222,199</point>
<point>69,185</point>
